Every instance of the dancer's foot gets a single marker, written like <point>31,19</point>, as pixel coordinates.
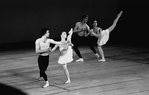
<point>80,60</point>
<point>46,85</point>
<point>68,81</point>
<point>102,60</point>
<point>97,55</point>
<point>40,79</point>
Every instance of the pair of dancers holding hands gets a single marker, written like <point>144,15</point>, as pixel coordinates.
<point>42,47</point>
<point>83,33</point>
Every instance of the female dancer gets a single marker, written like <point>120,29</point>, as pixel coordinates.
<point>66,52</point>
<point>42,48</point>
<point>103,35</point>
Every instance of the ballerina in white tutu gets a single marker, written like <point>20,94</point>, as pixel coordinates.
<point>66,52</point>
<point>103,35</point>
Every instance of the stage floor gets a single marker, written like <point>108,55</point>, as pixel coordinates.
<point>125,72</point>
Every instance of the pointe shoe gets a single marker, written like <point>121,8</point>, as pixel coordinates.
<point>46,85</point>
<point>102,60</point>
<point>80,60</point>
<point>68,81</point>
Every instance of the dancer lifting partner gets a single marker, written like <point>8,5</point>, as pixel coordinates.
<point>42,47</point>
<point>80,36</point>
<point>103,35</point>
<point>66,52</point>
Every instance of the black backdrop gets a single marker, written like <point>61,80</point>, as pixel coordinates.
<point>21,20</point>
<point>133,29</point>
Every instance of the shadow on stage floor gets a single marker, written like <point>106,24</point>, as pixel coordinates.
<point>9,90</point>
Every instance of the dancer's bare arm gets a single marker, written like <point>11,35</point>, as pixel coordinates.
<point>54,48</point>
<point>115,22</point>
<point>87,31</point>
<point>77,28</point>
<point>96,35</point>
<point>54,42</point>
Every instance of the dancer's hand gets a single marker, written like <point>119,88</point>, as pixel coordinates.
<point>52,50</point>
<point>71,44</point>
<point>49,49</point>
<point>91,31</point>
<point>84,29</point>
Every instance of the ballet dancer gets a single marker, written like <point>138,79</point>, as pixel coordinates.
<point>42,47</point>
<point>66,52</point>
<point>80,36</point>
<point>103,35</point>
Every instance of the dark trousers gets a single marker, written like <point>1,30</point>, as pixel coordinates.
<point>78,40</point>
<point>43,62</point>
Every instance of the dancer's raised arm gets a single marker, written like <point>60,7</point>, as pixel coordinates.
<point>54,48</point>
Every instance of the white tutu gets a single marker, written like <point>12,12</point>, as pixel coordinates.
<point>104,37</point>
<point>67,57</point>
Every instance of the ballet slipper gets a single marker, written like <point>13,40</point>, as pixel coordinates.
<point>46,85</point>
<point>102,60</point>
<point>68,81</point>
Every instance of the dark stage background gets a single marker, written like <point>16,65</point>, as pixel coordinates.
<point>21,20</point>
